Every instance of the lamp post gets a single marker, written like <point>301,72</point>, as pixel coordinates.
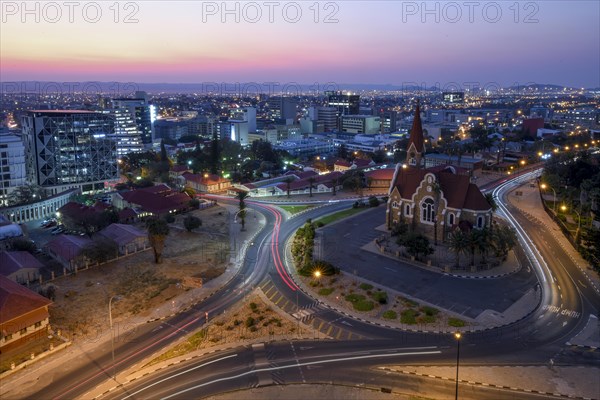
<point>297,311</point>
<point>457,336</point>
<point>545,186</point>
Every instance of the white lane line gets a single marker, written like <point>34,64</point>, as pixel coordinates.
<point>176,375</point>
<point>295,366</point>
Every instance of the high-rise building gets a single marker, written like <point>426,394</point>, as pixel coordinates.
<point>203,126</point>
<point>388,120</point>
<point>238,131</point>
<point>325,117</point>
<point>12,165</point>
<point>142,112</point>
<point>245,114</point>
<point>345,103</point>
<point>283,107</point>
<point>127,134</point>
<point>69,149</point>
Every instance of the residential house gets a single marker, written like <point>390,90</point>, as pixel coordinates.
<point>19,266</point>
<point>129,239</point>
<point>207,183</point>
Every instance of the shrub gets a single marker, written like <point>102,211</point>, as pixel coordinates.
<point>408,302</point>
<point>190,223</point>
<point>253,306</point>
<point>319,224</point>
<point>373,201</point>
<point>325,291</point>
<point>409,317</point>
<point>366,286</point>
<point>380,297</point>
<point>430,311</point>
<point>390,314</point>
<point>249,322</point>
<point>363,305</point>
<point>170,218</point>
<point>353,298</point>
<point>425,319</point>
<point>456,322</point>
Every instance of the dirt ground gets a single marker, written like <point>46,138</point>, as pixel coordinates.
<point>81,305</point>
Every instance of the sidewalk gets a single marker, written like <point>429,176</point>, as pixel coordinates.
<point>40,374</point>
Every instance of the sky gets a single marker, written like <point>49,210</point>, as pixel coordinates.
<point>370,42</point>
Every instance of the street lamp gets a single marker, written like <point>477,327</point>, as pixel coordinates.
<point>544,186</point>
<point>457,336</point>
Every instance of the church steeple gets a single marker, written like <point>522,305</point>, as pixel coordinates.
<point>416,143</point>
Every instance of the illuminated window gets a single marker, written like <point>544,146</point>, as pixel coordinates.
<point>427,210</point>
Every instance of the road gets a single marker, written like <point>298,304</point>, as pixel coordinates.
<point>533,340</point>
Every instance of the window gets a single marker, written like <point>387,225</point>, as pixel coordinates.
<point>23,331</point>
<point>450,219</point>
<point>8,337</point>
<point>480,222</point>
<point>407,210</point>
<point>38,324</point>
<point>427,213</point>
<point>395,204</point>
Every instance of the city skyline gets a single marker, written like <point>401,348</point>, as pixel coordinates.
<point>385,43</point>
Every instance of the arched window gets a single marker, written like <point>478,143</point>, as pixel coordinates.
<point>407,210</point>
<point>451,219</point>
<point>395,204</point>
<point>480,222</point>
<point>427,213</point>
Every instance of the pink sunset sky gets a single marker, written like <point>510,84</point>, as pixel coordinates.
<point>362,42</point>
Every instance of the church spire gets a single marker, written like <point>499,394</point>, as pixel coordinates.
<point>416,143</point>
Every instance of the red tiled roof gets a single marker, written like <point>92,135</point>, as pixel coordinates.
<point>179,168</point>
<point>13,261</point>
<point>305,183</point>
<point>381,174</point>
<point>121,234</point>
<point>416,132</point>
<point>210,179</point>
<point>127,213</point>
<point>361,163</point>
<point>343,163</point>
<point>16,301</point>
<point>68,247</point>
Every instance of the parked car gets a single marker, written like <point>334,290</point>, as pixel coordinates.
<point>50,224</point>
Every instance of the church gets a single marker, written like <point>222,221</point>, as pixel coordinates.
<point>433,201</point>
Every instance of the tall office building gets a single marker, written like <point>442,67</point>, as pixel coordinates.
<point>245,114</point>
<point>325,117</point>
<point>388,120</point>
<point>368,124</point>
<point>12,165</point>
<point>127,133</point>
<point>345,103</point>
<point>283,108</point>
<point>142,112</point>
<point>69,149</point>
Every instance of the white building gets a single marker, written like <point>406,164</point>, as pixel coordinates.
<point>247,114</point>
<point>238,131</point>
<point>12,164</point>
<point>368,124</point>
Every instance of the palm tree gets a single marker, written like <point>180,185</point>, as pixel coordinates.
<point>241,196</point>
<point>288,181</point>
<point>311,182</point>
<point>334,183</point>
<point>158,229</point>
<point>483,243</point>
<point>494,205</point>
<point>474,240</point>
<point>458,244</point>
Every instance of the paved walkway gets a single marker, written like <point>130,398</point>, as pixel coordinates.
<point>39,374</point>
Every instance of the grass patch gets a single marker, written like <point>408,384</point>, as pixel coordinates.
<point>325,291</point>
<point>328,219</point>
<point>366,286</point>
<point>353,297</point>
<point>425,319</point>
<point>363,305</point>
<point>456,322</point>
<point>296,209</point>
<point>390,314</point>
<point>193,343</point>
<point>409,317</point>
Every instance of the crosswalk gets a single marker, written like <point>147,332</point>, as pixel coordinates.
<point>308,315</point>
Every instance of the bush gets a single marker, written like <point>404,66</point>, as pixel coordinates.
<point>250,322</point>
<point>425,319</point>
<point>319,224</point>
<point>456,322</point>
<point>170,218</point>
<point>373,201</point>
<point>366,286</point>
<point>408,302</point>
<point>194,203</point>
<point>430,311</point>
<point>380,297</point>
<point>390,314</point>
<point>325,291</point>
<point>353,297</point>
<point>190,223</point>
<point>253,306</point>
<point>363,305</point>
<point>409,317</point>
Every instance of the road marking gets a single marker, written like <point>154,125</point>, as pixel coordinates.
<point>273,295</point>
<point>269,290</point>
<point>285,304</point>
<point>297,364</point>
<point>581,283</point>
<point>329,330</point>
<point>320,325</point>
<point>178,374</point>
<point>339,335</point>
<point>345,323</point>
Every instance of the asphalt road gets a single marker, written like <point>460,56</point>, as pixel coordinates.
<point>533,340</point>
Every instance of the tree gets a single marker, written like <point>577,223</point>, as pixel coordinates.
<point>22,244</point>
<point>158,229</point>
<point>373,201</point>
<point>458,244</point>
<point>26,194</point>
<point>101,250</point>
<point>241,196</point>
<point>190,223</point>
<point>475,241</point>
<point>417,244</point>
<point>494,205</point>
<point>288,181</point>
<point>504,239</point>
<point>214,155</point>
<point>342,151</point>
<point>311,182</point>
<point>163,152</point>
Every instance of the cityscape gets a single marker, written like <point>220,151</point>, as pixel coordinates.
<point>289,200</point>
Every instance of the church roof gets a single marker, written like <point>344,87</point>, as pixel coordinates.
<point>416,132</point>
<point>458,190</point>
